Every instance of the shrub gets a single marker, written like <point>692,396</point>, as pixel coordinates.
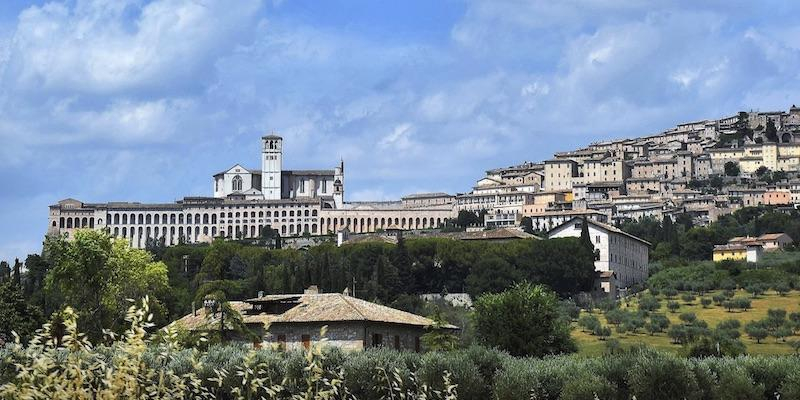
<point>688,298</point>
<point>718,299</point>
<point>658,323</point>
<point>742,303</point>
<point>756,289</point>
<point>615,316</point>
<point>673,306</point>
<point>688,317</point>
<point>588,322</point>
<point>587,386</point>
<point>523,320</point>
<point>670,293</point>
<point>705,302</point>
<point>602,332</point>
<point>756,330</point>
<point>655,376</point>
<point>465,374</point>
<point>735,383</point>
<point>649,303</point>
<point>734,324</point>
<point>782,288</point>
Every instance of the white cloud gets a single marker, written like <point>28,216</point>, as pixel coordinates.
<point>400,139</point>
<point>93,47</point>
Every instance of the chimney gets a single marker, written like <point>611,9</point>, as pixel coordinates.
<point>194,310</point>
<point>313,289</point>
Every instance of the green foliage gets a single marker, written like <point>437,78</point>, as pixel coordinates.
<point>673,306</point>
<point>757,330</point>
<point>731,168</point>
<point>96,274</point>
<point>705,302</point>
<point>438,337</point>
<point>16,315</point>
<point>524,320</point>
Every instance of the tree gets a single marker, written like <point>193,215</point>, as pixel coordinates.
<point>658,323</point>
<point>524,320</point>
<point>16,277</point>
<point>762,170</point>
<point>5,272</point>
<point>756,330</point>
<point>16,315</point>
<point>673,306</point>
<point>439,336</point>
<point>731,168</point>
<point>705,302</point>
<point>771,132</point>
<point>492,275</point>
<point>527,225</point>
<point>97,274</point>
<point>468,218</point>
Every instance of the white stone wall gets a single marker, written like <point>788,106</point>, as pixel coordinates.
<point>627,257</point>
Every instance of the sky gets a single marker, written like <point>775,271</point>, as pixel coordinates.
<point>134,100</point>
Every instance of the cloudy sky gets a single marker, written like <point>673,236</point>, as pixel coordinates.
<point>105,100</point>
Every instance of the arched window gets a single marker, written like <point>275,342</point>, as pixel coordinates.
<point>237,183</point>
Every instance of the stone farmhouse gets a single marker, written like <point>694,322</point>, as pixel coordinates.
<point>294,321</point>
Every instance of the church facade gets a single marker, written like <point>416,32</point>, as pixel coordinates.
<point>246,200</point>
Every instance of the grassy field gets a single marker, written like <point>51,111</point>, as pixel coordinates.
<point>592,346</point>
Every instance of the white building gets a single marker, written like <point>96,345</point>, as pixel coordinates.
<point>620,252</point>
<point>245,201</point>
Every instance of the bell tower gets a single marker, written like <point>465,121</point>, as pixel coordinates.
<point>271,166</point>
<point>338,185</point>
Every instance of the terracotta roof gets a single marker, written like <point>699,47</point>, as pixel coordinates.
<point>327,307</point>
<point>773,236</point>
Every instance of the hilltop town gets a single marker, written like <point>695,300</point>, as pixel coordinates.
<point>704,168</point>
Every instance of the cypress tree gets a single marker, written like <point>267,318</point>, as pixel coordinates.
<point>16,278</point>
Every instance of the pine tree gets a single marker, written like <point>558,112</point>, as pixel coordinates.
<point>16,278</point>
<point>5,272</point>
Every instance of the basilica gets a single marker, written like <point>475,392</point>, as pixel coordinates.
<point>246,200</point>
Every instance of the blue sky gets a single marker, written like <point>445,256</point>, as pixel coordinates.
<point>115,100</point>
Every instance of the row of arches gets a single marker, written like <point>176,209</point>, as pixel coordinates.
<point>138,237</point>
<point>76,222</point>
<point>197,218</point>
<point>372,224</point>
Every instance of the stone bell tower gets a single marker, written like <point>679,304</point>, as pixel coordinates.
<point>338,185</point>
<point>271,166</point>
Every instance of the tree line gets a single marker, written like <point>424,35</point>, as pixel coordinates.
<point>96,274</point>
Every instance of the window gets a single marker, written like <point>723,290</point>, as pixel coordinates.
<point>302,186</point>
<point>324,186</point>
<point>306,341</point>
<point>597,239</point>
<point>397,342</point>
<point>237,182</point>
<point>377,340</point>
<point>417,346</point>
